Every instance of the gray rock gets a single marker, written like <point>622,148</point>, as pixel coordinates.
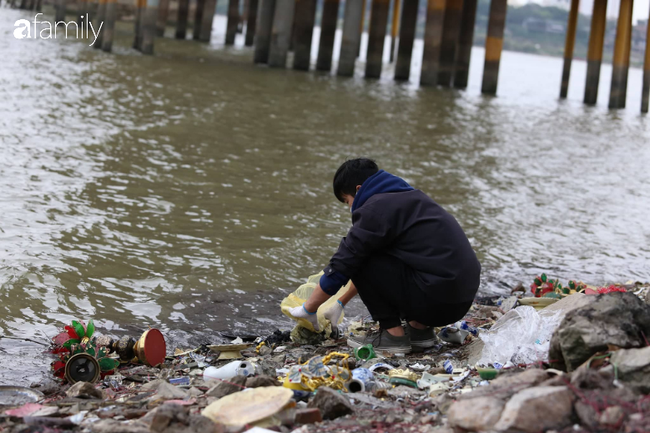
<point>477,414</point>
<point>537,409</point>
<point>194,392</point>
<point>259,381</point>
<point>223,389</point>
<point>84,390</point>
<point>505,386</point>
<point>612,416</point>
<point>585,377</point>
<point>168,391</point>
<point>587,415</point>
<point>331,403</point>
<point>633,368</point>
<point>112,426</point>
<point>153,385</point>
<point>619,319</point>
<point>174,418</point>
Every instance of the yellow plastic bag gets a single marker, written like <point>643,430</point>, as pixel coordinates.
<point>297,298</point>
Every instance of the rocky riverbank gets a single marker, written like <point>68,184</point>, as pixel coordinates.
<point>595,377</point>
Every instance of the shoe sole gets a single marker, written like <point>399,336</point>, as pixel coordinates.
<point>424,344</point>
<point>355,345</point>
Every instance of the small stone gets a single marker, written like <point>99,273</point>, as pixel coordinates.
<point>331,404</point>
<point>152,386</point>
<point>259,381</point>
<point>84,390</point>
<point>167,391</point>
<point>505,386</point>
<point>477,414</point>
<point>633,368</point>
<point>165,415</point>
<point>113,426</point>
<point>223,389</point>
<point>553,406</point>
<point>612,416</point>
<point>308,416</point>
<point>265,350</point>
<point>587,415</point>
<point>194,392</point>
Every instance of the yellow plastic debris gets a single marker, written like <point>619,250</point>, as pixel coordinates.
<point>301,294</point>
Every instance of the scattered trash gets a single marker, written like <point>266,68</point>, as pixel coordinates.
<point>180,381</point>
<point>84,357</point>
<point>362,380</point>
<point>331,370</point>
<point>453,335</point>
<point>403,377</point>
<point>522,336</point>
<point>16,395</point>
<point>419,392</point>
<point>229,351</point>
<point>235,368</point>
<point>256,407</point>
<point>365,352</point>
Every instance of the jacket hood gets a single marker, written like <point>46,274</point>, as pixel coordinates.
<point>379,183</point>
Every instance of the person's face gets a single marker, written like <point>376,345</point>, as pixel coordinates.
<point>348,199</point>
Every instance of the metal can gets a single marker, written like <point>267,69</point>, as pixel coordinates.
<point>180,381</point>
<point>448,367</point>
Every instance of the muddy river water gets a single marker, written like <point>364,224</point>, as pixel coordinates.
<point>191,190</point>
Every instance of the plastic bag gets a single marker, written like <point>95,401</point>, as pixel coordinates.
<point>301,294</point>
<point>521,336</point>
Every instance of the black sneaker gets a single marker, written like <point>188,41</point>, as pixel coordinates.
<point>382,341</point>
<point>422,338</point>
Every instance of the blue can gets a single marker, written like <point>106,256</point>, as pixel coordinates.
<point>448,367</point>
<point>180,381</point>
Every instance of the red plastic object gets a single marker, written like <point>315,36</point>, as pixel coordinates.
<point>155,347</point>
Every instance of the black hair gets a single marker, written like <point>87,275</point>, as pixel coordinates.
<point>351,173</point>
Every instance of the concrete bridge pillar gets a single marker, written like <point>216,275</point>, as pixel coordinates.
<point>59,14</point>
<point>494,46</point>
<point>351,37</point>
<point>233,21</point>
<point>432,42</point>
<point>109,25</point>
<point>328,24</point>
<point>181,19</point>
<point>149,18</point>
<point>140,6</point>
<point>595,51</point>
<point>207,18</point>
<point>163,13</point>
<point>281,33</point>
<point>406,37</point>
<point>450,33</point>
<point>265,13</point>
<point>645,93</point>
<point>465,43</point>
<point>251,22</point>
<point>101,14</point>
<point>569,44</point>
<point>621,60</point>
<point>305,18</point>
<point>394,30</point>
<point>376,37</point>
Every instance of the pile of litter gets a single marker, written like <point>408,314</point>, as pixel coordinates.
<point>581,363</point>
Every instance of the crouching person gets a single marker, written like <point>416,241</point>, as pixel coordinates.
<point>407,257</point>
